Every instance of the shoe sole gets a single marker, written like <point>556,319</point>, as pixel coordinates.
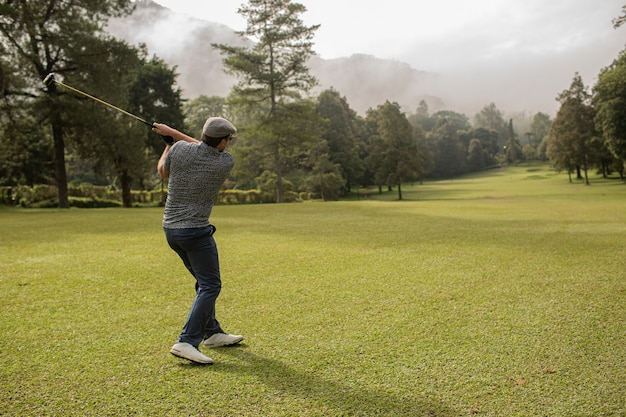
<point>179,354</point>
<point>224,344</point>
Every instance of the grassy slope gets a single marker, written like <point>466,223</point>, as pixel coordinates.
<point>499,294</point>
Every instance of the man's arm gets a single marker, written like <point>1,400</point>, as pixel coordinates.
<point>164,173</point>
<point>165,130</point>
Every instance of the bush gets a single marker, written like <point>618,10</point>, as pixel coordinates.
<point>6,196</point>
<point>26,196</point>
<point>307,195</point>
<point>85,202</point>
<point>92,196</point>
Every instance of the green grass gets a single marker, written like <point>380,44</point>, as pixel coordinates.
<point>501,294</point>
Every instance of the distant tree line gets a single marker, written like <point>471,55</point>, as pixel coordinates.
<point>289,143</point>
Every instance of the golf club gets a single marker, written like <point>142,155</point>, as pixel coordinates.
<point>50,79</point>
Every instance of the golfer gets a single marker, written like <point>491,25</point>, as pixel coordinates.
<point>196,171</point>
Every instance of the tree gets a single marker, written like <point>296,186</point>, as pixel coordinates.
<point>538,134</point>
<point>123,148</point>
<point>152,92</point>
<point>196,111</point>
<point>446,145</point>
<point>340,135</point>
<point>422,118</point>
<point>619,21</point>
<point>539,128</point>
<point>571,134</point>
<point>513,150</point>
<point>43,36</point>
<point>326,176</point>
<point>529,153</point>
<point>609,99</point>
<point>393,157</point>
<point>272,75</point>
<point>489,140</point>
<point>491,117</point>
<point>457,121</point>
<point>25,149</point>
<point>475,156</point>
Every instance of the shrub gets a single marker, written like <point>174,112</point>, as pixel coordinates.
<point>86,202</point>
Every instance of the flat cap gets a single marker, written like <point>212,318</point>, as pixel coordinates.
<point>218,127</point>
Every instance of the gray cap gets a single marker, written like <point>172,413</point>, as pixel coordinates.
<point>218,127</point>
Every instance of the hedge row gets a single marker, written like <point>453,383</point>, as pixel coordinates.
<point>92,196</point>
<point>84,195</point>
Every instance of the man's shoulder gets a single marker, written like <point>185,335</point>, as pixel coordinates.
<point>182,147</point>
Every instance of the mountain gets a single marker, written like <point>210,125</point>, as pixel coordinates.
<point>185,42</point>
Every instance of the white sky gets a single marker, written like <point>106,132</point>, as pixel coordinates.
<point>488,43</point>
<point>433,35</point>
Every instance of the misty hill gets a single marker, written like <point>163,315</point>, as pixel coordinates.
<point>185,42</point>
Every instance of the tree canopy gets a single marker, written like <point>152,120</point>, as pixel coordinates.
<point>39,37</point>
<point>293,141</point>
<point>609,98</point>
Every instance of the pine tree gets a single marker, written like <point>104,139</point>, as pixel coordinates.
<point>272,78</point>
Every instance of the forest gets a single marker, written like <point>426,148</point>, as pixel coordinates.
<point>59,149</point>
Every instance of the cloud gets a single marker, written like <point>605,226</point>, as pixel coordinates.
<point>463,55</point>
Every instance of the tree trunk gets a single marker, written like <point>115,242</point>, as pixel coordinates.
<point>399,192</point>
<point>279,175</point>
<point>59,164</point>
<point>125,180</point>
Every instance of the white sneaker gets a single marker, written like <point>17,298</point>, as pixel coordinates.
<point>186,351</point>
<point>222,339</point>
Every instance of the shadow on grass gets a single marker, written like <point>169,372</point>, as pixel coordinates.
<point>344,398</point>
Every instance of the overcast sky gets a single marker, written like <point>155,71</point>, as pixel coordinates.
<point>490,43</point>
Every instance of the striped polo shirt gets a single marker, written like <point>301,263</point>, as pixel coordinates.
<point>197,173</point>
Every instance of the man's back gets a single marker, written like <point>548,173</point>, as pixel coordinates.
<point>197,173</point>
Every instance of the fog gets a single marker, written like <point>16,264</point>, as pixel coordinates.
<point>472,66</point>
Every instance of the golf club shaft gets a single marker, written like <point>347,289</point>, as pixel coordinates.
<point>50,79</point>
<point>102,102</point>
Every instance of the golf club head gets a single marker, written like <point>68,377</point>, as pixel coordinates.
<point>49,79</point>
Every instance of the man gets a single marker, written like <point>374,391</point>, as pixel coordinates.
<point>196,171</point>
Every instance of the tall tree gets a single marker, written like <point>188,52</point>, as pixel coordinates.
<point>513,150</point>
<point>326,176</point>
<point>449,153</point>
<point>339,132</point>
<point>539,128</point>
<point>393,158</point>
<point>609,98</point>
<point>25,146</point>
<point>119,147</point>
<point>273,74</point>
<point>573,130</point>
<point>43,36</point>
<point>422,118</point>
<point>491,117</point>
<point>538,133</point>
<point>475,156</point>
